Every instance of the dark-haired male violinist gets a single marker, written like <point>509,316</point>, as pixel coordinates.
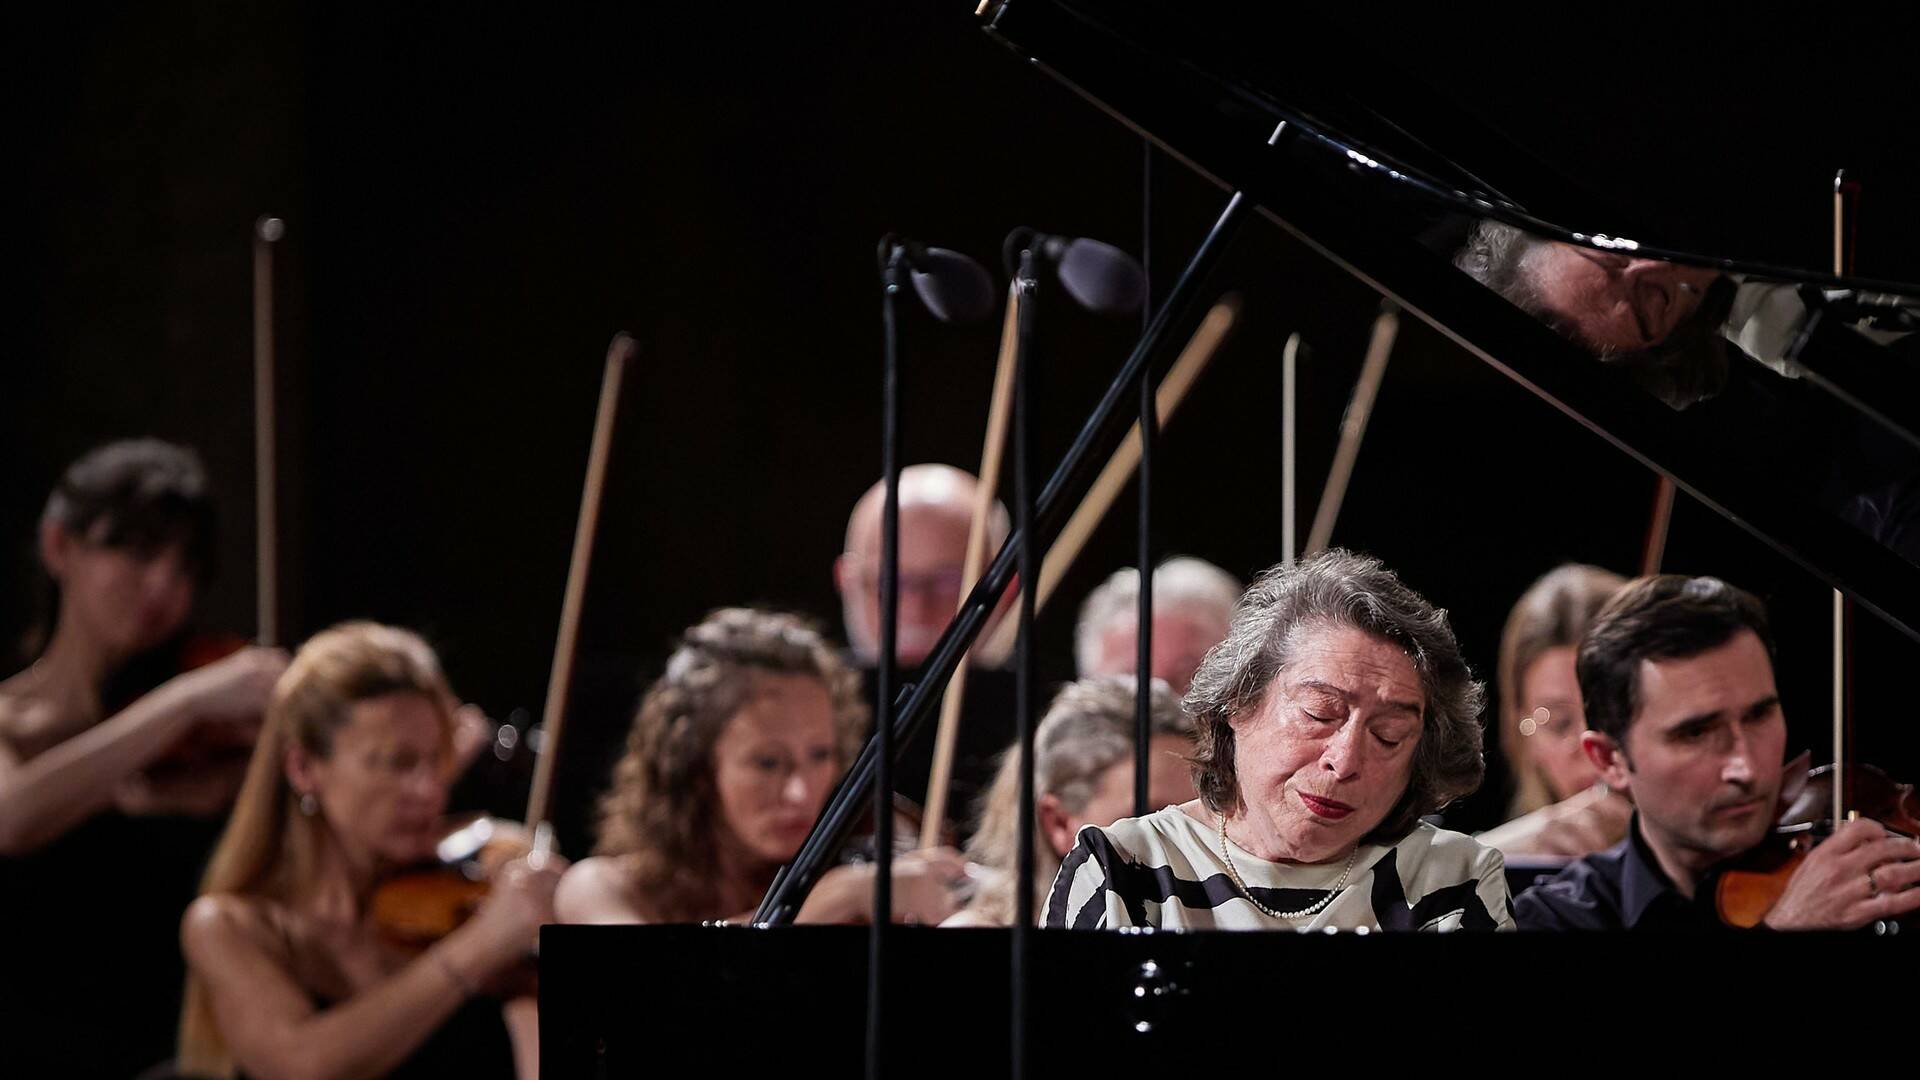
<point>1676,675</point>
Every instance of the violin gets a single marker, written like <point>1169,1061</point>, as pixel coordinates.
<point>188,650</point>
<point>1746,890</point>
<point>419,906</point>
<point>414,909</point>
<point>199,774</point>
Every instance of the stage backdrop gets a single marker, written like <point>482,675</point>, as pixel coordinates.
<point>476,201</point>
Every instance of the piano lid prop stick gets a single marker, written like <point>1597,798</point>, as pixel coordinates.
<point>1353,428</point>
<point>267,232</point>
<point>947,736</point>
<point>565,645</point>
<point>1193,360</point>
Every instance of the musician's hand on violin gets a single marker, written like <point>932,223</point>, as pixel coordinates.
<point>508,921</point>
<point>1859,874</point>
<point>233,690</point>
<point>212,715</point>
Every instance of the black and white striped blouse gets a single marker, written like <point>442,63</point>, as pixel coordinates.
<point>1166,870</point>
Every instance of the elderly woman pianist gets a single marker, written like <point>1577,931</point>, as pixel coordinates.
<point>1336,713</point>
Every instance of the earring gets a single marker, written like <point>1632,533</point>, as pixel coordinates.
<point>309,805</point>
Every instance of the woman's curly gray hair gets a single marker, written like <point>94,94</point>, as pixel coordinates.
<point>1339,588</point>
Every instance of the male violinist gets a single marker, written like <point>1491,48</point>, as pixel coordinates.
<point>1676,675</point>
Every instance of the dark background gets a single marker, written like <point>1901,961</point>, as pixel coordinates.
<point>477,200</point>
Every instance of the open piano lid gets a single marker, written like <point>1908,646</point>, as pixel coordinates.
<point>1787,400</point>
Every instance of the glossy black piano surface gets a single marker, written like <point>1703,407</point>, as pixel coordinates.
<point>737,1001</point>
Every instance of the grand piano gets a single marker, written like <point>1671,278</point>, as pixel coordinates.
<point>1785,399</point>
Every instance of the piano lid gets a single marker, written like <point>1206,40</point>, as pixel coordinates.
<point>1787,399</point>
<point>1269,62</point>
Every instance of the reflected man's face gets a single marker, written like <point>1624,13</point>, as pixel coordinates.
<point>1612,302</point>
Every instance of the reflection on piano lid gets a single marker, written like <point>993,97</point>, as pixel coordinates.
<point>1236,65</point>
<point>1787,400</point>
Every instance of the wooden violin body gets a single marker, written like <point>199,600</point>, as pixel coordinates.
<point>418,907</point>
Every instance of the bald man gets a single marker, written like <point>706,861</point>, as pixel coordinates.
<point>936,512</point>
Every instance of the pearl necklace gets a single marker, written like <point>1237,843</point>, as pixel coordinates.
<point>1312,909</point>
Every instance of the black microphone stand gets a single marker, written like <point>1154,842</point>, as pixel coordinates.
<point>1023,918</point>
<point>892,271</point>
<point>1102,431</point>
<point>1149,435</point>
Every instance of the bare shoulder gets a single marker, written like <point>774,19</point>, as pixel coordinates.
<point>28,724</point>
<point>216,922</point>
<point>596,874</point>
<point>596,890</point>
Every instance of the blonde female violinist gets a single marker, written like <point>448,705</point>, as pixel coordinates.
<point>288,975</point>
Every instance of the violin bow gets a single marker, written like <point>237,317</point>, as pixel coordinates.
<point>1199,352</point>
<point>267,232</point>
<point>566,644</point>
<point>947,735</point>
<point>1654,551</point>
<point>1206,341</point>
<point>1353,427</point>
<point>1846,222</point>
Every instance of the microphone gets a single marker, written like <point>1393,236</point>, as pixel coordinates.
<point>952,287</point>
<point>1100,277</point>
